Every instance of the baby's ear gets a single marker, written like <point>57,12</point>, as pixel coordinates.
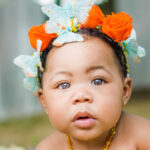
<point>42,100</point>
<point>127,90</point>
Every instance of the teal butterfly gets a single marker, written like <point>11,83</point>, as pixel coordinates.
<point>64,20</point>
<point>131,47</point>
<point>29,65</point>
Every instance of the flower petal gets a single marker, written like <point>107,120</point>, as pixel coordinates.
<point>67,37</point>
<point>38,33</point>
<point>95,18</point>
<point>31,84</point>
<point>118,26</point>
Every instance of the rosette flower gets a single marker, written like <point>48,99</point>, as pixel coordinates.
<point>95,18</point>
<point>118,26</point>
<point>38,33</point>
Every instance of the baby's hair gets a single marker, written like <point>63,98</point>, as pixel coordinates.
<point>120,56</point>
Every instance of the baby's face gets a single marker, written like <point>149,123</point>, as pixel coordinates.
<point>82,79</point>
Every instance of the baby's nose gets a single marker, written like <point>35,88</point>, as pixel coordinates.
<point>82,97</point>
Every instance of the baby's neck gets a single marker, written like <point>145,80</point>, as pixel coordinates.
<point>94,144</point>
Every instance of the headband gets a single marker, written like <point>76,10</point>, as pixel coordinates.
<point>62,26</point>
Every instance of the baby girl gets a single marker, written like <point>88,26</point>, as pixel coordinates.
<point>80,75</point>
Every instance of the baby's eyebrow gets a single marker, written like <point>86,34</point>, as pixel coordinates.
<point>63,72</point>
<point>60,73</point>
<point>93,68</point>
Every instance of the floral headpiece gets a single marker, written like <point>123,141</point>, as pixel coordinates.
<point>63,24</point>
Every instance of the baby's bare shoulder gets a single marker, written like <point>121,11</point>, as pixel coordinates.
<point>53,141</point>
<point>139,129</point>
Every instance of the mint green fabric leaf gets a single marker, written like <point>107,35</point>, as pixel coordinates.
<point>31,84</point>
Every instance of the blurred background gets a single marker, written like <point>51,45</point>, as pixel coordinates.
<point>22,121</point>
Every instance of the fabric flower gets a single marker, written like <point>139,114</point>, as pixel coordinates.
<point>95,18</point>
<point>118,26</point>
<point>38,33</point>
<point>65,20</point>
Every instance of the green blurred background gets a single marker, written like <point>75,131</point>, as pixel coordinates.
<point>22,121</point>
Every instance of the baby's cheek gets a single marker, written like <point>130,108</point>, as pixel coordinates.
<point>58,120</point>
<point>112,112</point>
<point>57,113</point>
<point>109,107</point>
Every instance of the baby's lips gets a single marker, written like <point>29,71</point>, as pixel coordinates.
<point>83,115</point>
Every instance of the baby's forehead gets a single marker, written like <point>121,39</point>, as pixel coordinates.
<point>89,42</point>
<point>91,51</point>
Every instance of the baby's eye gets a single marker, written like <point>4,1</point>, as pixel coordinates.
<point>64,85</point>
<point>98,82</point>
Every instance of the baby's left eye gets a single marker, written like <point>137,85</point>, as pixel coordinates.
<point>64,85</point>
<point>98,82</point>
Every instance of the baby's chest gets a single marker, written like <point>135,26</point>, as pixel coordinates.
<point>124,145</point>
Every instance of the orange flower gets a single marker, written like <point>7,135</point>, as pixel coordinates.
<point>38,32</point>
<point>95,18</point>
<point>118,26</point>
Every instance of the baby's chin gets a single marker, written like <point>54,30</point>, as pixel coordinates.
<point>85,135</point>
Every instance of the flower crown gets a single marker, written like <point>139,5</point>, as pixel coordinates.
<point>63,25</point>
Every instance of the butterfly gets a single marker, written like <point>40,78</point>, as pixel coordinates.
<point>29,65</point>
<point>65,20</point>
<point>131,47</point>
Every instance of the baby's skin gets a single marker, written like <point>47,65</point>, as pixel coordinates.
<point>85,78</point>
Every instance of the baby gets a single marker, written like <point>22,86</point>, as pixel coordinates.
<point>80,75</point>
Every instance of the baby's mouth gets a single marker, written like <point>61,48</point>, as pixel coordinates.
<point>84,120</point>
